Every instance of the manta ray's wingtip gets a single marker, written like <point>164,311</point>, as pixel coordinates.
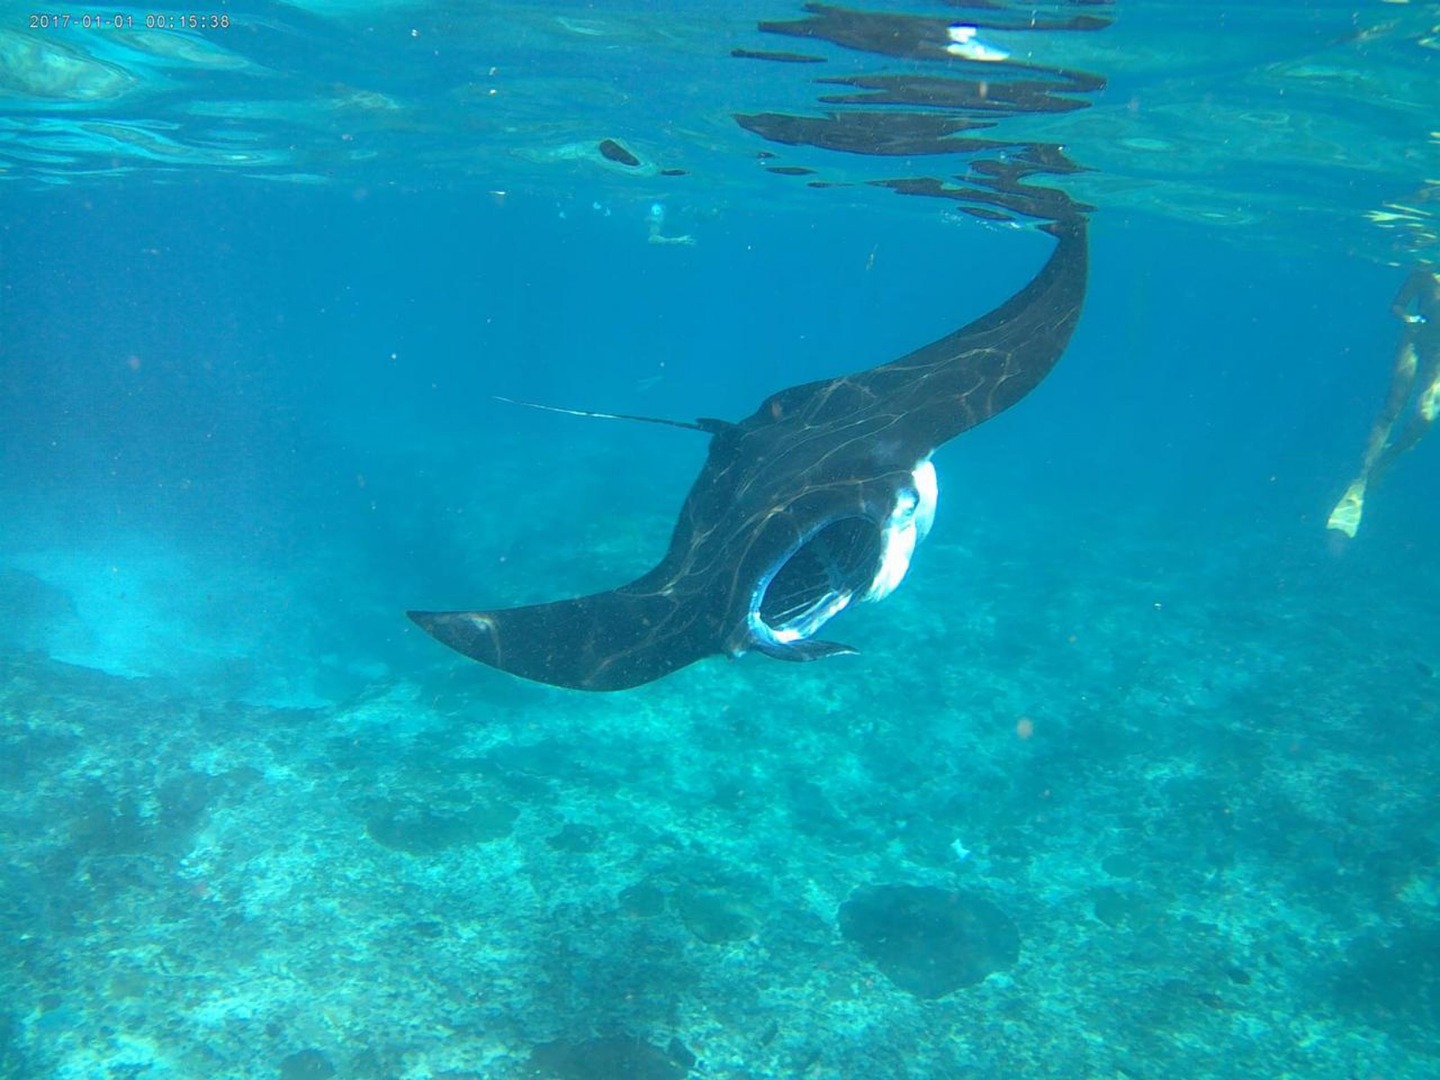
<point>604,641</point>
<point>471,633</point>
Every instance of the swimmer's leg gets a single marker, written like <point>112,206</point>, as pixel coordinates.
<point>1427,408</point>
<point>1348,511</point>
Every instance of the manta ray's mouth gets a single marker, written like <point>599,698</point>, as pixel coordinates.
<point>815,583</point>
<point>843,560</point>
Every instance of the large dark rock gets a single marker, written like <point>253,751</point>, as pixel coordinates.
<point>926,940</point>
<point>306,1065</point>
<point>615,1057</point>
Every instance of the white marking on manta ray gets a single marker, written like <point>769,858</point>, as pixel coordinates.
<point>911,519</point>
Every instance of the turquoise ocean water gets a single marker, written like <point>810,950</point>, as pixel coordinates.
<point>1135,776</point>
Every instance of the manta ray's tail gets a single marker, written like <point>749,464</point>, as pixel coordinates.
<point>706,424</point>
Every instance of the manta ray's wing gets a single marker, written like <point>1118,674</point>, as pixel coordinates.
<point>927,397</point>
<point>609,641</point>
<point>615,640</point>
<point>980,370</point>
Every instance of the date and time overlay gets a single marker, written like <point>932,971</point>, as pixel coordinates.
<point>62,20</point>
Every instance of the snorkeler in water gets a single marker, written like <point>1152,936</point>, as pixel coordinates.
<point>656,221</point>
<point>1417,364</point>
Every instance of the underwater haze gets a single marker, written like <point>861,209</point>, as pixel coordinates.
<point>1135,775</point>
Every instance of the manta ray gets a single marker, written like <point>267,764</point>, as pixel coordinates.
<point>814,502</point>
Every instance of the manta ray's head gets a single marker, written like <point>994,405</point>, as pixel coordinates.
<point>850,553</point>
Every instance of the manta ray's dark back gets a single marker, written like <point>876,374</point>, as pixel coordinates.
<point>814,501</point>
